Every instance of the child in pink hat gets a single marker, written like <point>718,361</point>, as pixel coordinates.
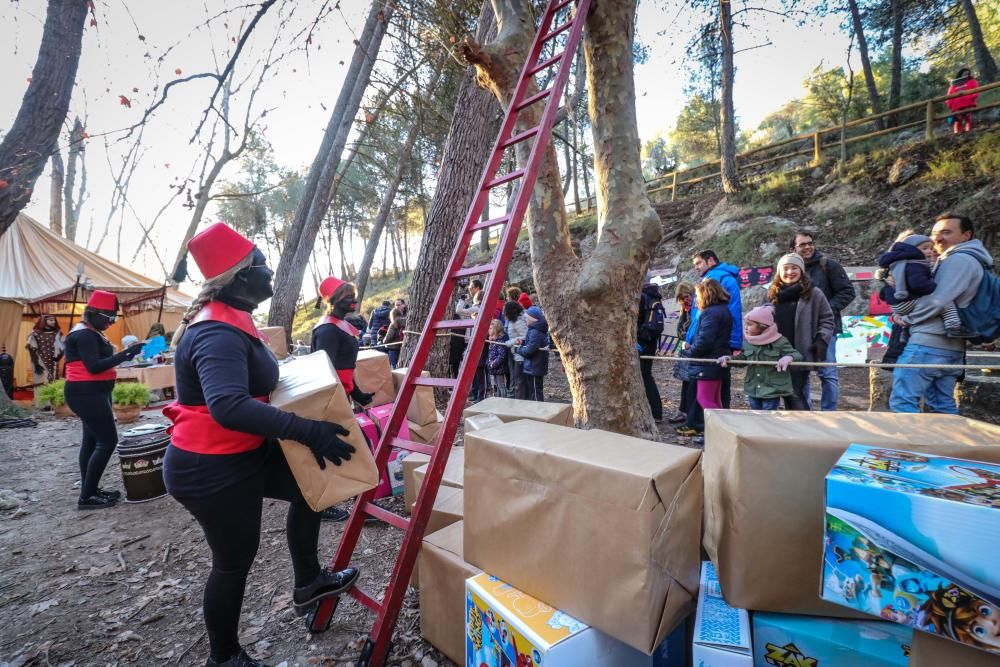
<point>765,385</point>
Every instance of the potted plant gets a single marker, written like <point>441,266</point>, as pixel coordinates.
<point>128,399</point>
<point>54,394</point>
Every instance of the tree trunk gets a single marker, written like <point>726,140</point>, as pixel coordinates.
<point>35,133</point>
<point>585,299</point>
<point>727,145</point>
<point>72,201</point>
<point>896,67</point>
<point>484,235</point>
<point>470,138</point>
<point>56,192</point>
<point>319,185</point>
<point>866,64</point>
<point>985,64</point>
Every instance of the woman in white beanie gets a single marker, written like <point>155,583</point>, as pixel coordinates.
<point>804,317</point>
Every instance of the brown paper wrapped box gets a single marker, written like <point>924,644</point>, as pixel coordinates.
<point>448,508</point>
<point>309,387</point>
<point>512,409</point>
<point>764,492</point>
<point>276,340</point>
<point>373,373</point>
<point>931,651</point>
<point>411,463</point>
<point>602,526</point>
<point>454,471</point>
<point>425,432</point>
<point>442,598</point>
<point>422,410</point>
<point>481,422</point>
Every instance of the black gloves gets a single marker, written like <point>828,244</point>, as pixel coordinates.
<point>324,441</point>
<point>132,351</point>
<point>361,397</point>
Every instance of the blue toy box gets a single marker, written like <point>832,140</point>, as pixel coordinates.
<point>811,641</point>
<point>915,539</point>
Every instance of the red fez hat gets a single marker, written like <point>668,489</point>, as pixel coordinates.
<point>218,248</point>
<point>101,300</point>
<point>329,286</point>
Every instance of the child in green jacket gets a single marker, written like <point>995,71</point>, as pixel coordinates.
<point>765,385</point>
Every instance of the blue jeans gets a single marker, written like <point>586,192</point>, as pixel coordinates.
<point>935,385</point>
<point>763,403</point>
<point>829,379</point>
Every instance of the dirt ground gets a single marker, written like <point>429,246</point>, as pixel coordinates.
<point>123,586</point>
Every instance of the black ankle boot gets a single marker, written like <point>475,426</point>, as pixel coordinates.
<point>239,660</point>
<point>95,502</point>
<point>114,495</point>
<point>326,584</point>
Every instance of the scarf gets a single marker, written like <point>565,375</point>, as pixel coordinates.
<point>790,293</point>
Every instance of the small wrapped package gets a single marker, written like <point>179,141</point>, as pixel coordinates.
<point>422,410</point>
<point>276,340</point>
<point>442,598</point>
<point>512,409</point>
<point>448,508</point>
<point>309,387</point>
<point>552,510</point>
<point>410,464</point>
<point>425,432</point>
<point>480,422</point>
<point>373,373</point>
<point>454,472</point>
<point>764,492</point>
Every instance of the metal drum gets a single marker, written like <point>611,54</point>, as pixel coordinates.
<point>140,454</point>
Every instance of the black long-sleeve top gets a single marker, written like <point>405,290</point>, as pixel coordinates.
<point>93,350</point>
<point>340,346</point>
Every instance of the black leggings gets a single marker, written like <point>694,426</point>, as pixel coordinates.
<point>797,400</point>
<point>230,519</point>
<point>91,401</point>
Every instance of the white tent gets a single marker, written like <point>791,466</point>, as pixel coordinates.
<point>39,274</point>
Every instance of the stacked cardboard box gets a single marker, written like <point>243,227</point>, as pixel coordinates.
<point>421,411</point>
<point>512,409</point>
<point>449,506</point>
<point>277,341</point>
<point>442,597</point>
<point>373,373</point>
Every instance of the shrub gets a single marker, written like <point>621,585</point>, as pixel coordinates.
<point>53,393</point>
<point>131,393</point>
<point>945,167</point>
<point>986,156</point>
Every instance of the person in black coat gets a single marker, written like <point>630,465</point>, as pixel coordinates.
<point>711,341</point>
<point>648,330</point>
<point>90,377</point>
<point>224,458</point>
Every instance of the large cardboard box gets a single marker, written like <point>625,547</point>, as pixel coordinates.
<point>410,464</point>
<point>425,432</point>
<point>373,373</point>
<point>480,422</point>
<point>454,471</point>
<point>505,627</point>
<point>721,632</point>
<point>764,475</point>
<point>309,387</point>
<point>786,639</point>
<point>422,410</point>
<point>277,341</point>
<point>512,409</point>
<point>448,508</point>
<point>442,599</point>
<point>933,651</point>
<point>915,538</point>
<point>554,510</point>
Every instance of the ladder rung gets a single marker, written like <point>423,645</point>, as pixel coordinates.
<point>484,224</point>
<point>383,514</point>
<point>506,178</point>
<point>473,270</point>
<point>528,101</point>
<point>358,594</point>
<point>518,138</point>
<point>561,5</point>
<point>561,29</point>
<point>545,63</point>
<point>454,324</point>
<point>441,383</point>
<point>411,446</point>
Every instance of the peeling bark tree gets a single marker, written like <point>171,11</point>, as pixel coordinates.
<point>35,132</point>
<point>584,299</point>
<point>727,111</point>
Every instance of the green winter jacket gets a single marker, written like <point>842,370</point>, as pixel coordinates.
<point>767,381</point>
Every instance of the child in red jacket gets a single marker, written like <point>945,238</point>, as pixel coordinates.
<point>961,117</point>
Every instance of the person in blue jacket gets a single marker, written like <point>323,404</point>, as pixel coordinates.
<point>536,358</point>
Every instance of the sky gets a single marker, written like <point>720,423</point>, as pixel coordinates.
<point>124,42</point>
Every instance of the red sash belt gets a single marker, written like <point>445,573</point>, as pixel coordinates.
<point>77,372</point>
<point>347,379</point>
<point>194,430</point>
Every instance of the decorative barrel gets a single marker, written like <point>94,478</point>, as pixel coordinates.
<point>140,454</point>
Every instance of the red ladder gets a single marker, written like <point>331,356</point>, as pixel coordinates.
<point>376,648</point>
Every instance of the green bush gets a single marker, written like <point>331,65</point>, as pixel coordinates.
<point>53,393</point>
<point>945,167</point>
<point>131,393</point>
<point>986,155</point>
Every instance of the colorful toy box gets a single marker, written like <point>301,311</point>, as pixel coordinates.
<point>915,539</point>
<point>721,632</point>
<point>781,640</point>
<point>373,421</point>
<point>507,628</point>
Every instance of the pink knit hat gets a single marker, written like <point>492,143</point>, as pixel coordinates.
<point>762,315</point>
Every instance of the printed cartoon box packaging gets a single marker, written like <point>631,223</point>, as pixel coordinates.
<point>764,492</point>
<point>553,510</point>
<point>786,640</point>
<point>721,632</point>
<point>512,409</point>
<point>915,538</point>
<point>507,628</point>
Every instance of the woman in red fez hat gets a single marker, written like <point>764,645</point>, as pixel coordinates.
<point>224,459</point>
<point>90,377</point>
<point>339,339</point>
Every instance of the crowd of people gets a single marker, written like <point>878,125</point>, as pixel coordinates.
<point>926,279</point>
